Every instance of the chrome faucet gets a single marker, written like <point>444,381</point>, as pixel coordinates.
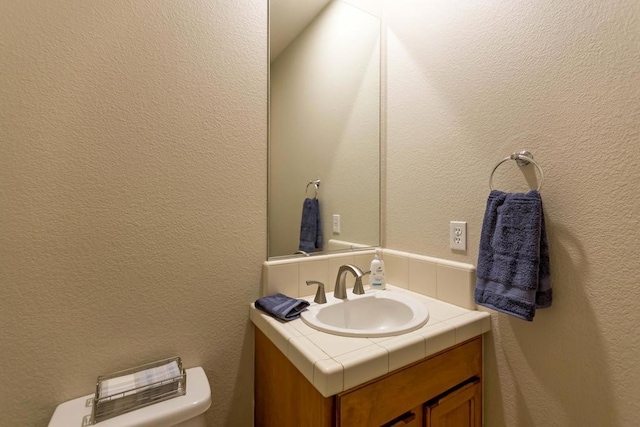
<point>340,290</point>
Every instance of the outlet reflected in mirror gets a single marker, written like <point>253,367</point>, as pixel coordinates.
<point>324,122</point>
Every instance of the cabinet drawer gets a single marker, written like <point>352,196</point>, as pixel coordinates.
<point>386,398</point>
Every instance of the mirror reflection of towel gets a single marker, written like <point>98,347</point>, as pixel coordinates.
<point>513,261</point>
<point>310,226</point>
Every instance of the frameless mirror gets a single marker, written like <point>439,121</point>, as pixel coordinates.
<point>324,124</point>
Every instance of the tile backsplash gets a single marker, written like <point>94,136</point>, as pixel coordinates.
<point>448,281</point>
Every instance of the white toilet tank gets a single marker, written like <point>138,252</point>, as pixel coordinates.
<point>182,411</point>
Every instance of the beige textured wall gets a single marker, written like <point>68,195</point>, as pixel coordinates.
<point>324,114</point>
<point>469,83</point>
<point>132,214</point>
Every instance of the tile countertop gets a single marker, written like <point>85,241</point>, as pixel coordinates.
<point>335,363</point>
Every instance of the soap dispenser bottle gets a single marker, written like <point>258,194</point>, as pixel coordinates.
<point>376,277</point>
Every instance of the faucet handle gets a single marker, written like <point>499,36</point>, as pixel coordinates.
<point>320,298</point>
<point>358,287</point>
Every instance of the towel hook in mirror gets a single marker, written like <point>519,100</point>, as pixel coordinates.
<point>522,158</point>
<point>316,186</point>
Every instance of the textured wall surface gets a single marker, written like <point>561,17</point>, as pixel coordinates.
<point>325,121</point>
<point>132,218</point>
<point>469,82</point>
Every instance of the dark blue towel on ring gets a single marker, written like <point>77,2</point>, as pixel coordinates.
<point>282,306</point>
<point>513,274</point>
<point>310,226</point>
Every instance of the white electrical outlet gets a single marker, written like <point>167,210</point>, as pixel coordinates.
<point>458,235</point>
<point>336,223</point>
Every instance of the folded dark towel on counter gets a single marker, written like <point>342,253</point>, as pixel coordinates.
<point>310,226</point>
<point>282,306</point>
<point>513,262</point>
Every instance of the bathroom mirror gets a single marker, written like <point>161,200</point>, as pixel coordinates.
<point>324,122</point>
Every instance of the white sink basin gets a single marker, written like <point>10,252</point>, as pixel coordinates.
<point>374,314</point>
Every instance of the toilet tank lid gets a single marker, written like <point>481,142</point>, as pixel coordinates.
<point>194,402</point>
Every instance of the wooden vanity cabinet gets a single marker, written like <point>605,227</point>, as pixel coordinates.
<point>444,389</point>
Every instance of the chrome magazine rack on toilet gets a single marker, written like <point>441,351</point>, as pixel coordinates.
<point>134,388</point>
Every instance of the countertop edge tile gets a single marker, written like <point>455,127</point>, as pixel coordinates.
<point>404,349</point>
<point>328,377</point>
<point>439,337</point>
<point>304,355</point>
<point>363,365</point>
<point>467,325</point>
<point>278,335</point>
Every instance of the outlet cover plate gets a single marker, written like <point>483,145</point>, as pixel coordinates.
<point>458,235</point>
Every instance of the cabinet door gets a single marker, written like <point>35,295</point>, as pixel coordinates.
<point>461,407</point>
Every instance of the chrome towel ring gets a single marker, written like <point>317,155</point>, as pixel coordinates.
<point>522,158</point>
<point>316,186</point>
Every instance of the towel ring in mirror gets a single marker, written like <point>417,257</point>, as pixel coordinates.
<point>522,158</point>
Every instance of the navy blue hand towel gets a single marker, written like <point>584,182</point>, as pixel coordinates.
<point>513,261</point>
<point>310,226</point>
<point>282,306</point>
